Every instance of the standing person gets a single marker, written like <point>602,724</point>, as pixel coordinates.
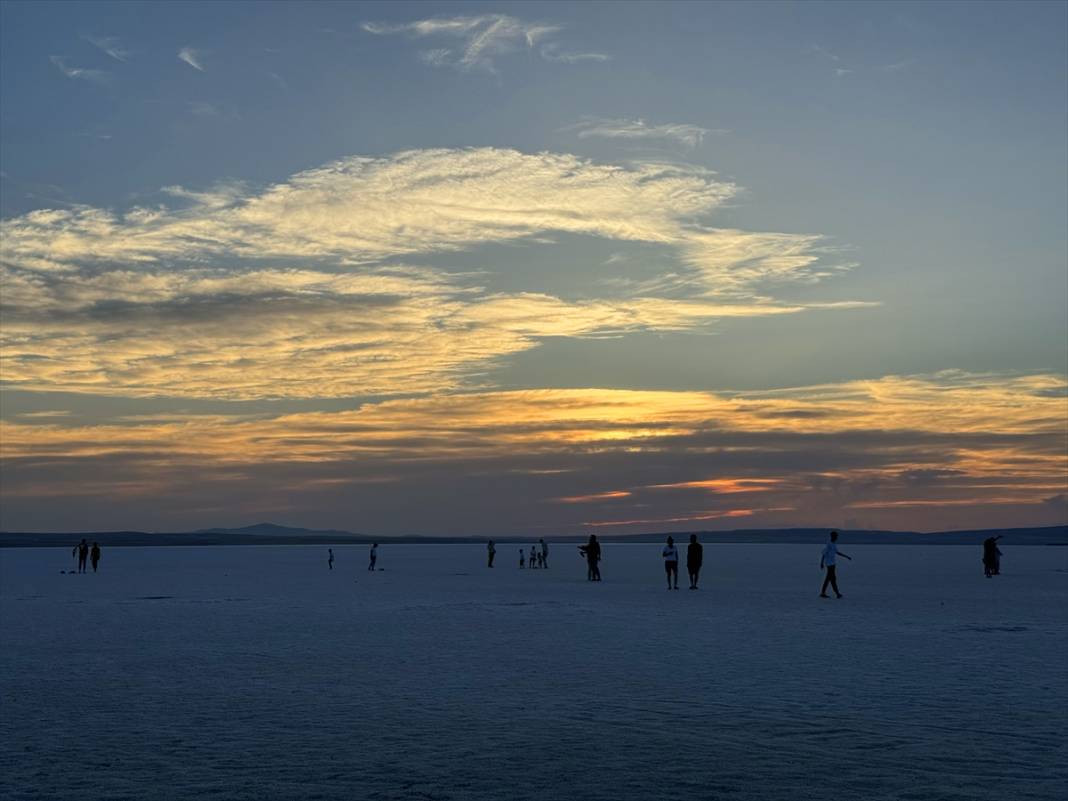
<point>533,557</point>
<point>82,552</point>
<point>544,553</point>
<point>521,559</point>
<point>491,551</point>
<point>990,557</point>
<point>374,557</point>
<point>592,551</point>
<point>997,556</point>
<point>671,562</point>
<point>94,555</point>
<point>827,560</point>
<point>330,558</point>
<point>541,560</point>
<point>695,554</point>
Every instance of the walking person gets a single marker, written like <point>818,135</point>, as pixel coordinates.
<point>694,556</point>
<point>374,557</point>
<point>592,551</point>
<point>491,551</point>
<point>544,553</point>
<point>330,558</point>
<point>671,563</point>
<point>94,555</point>
<point>81,550</point>
<point>827,561</point>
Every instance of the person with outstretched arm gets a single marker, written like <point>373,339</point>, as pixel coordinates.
<point>694,557</point>
<point>827,562</point>
<point>592,551</point>
<point>671,563</point>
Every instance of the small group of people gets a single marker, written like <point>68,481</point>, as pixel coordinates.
<point>86,553</point>
<point>370,566</point>
<point>539,556</point>
<point>695,556</point>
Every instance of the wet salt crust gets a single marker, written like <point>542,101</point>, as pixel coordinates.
<point>256,673</point>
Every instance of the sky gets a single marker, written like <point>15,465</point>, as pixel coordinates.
<point>517,269</point>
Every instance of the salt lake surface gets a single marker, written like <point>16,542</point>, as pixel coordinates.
<point>256,673</point>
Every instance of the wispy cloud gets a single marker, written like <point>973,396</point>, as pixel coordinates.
<point>181,283</point>
<point>79,73</point>
<point>552,52</point>
<point>897,66</point>
<point>191,57</point>
<point>483,40</point>
<point>821,51</point>
<point>685,134</point>
<point>992,446</point>
<point>109,45</point>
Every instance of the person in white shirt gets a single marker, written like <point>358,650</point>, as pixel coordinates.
<point>671,563</point>
<point>827,561</point>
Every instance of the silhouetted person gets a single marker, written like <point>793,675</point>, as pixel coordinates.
<point>592,551</point>
<point>94,556</point>
<point>330,558</point>
<point>522,559</point>
<point>544,554</point>
<point>491,551</point>
<point>671,562</point>
<point>695,554</point>
<point>827,560</point>
<point>532,561</point>
<point>374,557</point>
<point>991,556</point>
<point>81,550</point>
<point>541,560</point>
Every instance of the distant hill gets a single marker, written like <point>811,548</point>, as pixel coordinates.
<point>272,530</point>
<point>272,534</point>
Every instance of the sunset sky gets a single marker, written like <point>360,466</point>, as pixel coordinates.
<point>525,269</point>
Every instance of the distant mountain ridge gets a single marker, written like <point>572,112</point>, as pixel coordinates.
<point>274,530</point>
<point>274,534</point>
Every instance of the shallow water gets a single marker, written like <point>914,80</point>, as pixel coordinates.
<point>251,673</point>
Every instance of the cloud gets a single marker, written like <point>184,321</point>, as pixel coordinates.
<point>675,460</point>
<point>191,300</point>
<point>483,40</point>
<point>191,57</point>
<point>897,66</point>
<point>109,45</point>
<point>203,109</point>
<point>687,135</point>
<point>79,73</point>
<point>552,52</point>
<point>820,51</point>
